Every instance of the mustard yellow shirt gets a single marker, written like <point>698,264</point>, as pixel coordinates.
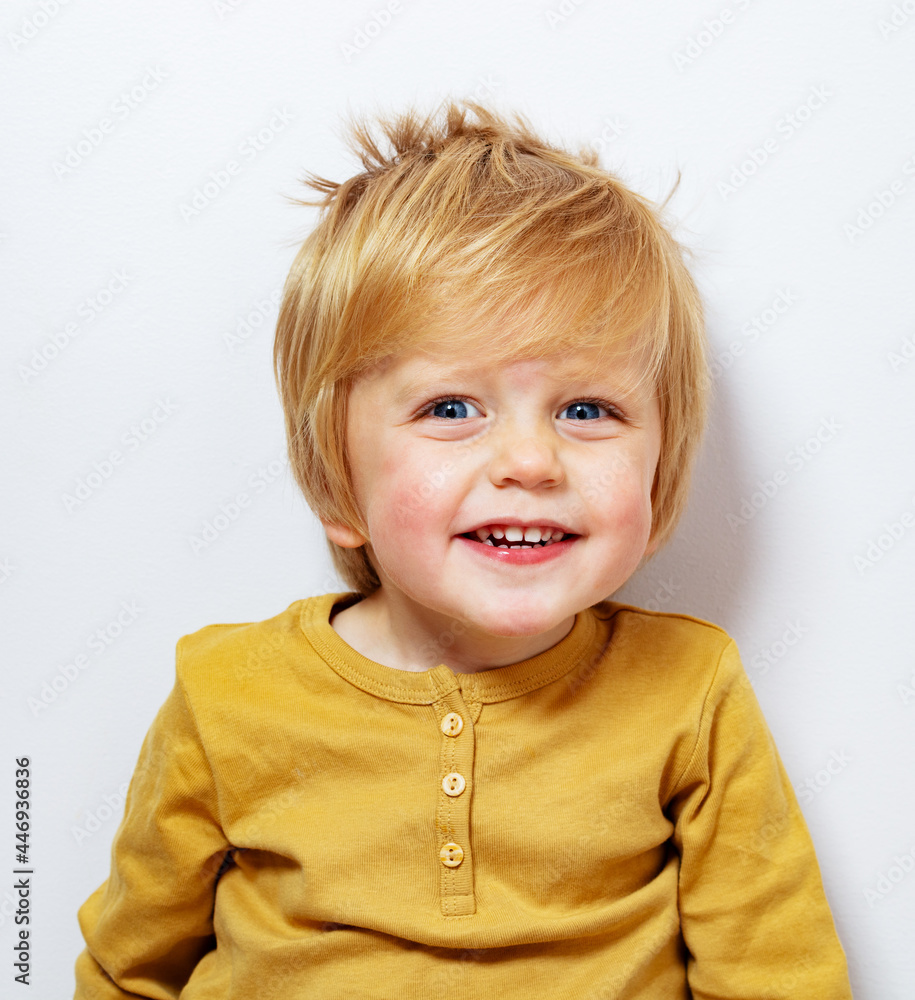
<point>607,819</point>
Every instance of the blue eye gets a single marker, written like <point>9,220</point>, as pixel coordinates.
<point>452,407</point>
<point>582,409</point>
<point>455,408</point>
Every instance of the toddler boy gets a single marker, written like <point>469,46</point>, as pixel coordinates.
<point>472,774</point>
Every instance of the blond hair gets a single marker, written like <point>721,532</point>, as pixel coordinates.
<point>468,218</point>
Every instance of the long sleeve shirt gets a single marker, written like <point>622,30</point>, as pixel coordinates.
<point>607,819</point>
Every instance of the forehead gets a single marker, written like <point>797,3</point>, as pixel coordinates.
<point>412,371</point>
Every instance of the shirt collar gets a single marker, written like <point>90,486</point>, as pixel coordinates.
<point>585,642</point>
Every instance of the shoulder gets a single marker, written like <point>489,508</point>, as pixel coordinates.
<point>671,672</point>
<point>227,638</point>
<point>238,678</point>
<point>662,632</point>
<point>236,655</point>
<point>685,656</point>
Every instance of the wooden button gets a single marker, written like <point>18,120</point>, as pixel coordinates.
<point>453,784</point>
<point>452,724</point>
<point>451,854</point>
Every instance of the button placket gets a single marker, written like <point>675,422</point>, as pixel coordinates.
<point>455,861</point>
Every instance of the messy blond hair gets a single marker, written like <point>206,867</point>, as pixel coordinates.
<point>467,220</point>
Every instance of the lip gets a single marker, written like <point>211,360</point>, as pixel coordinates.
<point>517,556</point>
<point>516,523</point>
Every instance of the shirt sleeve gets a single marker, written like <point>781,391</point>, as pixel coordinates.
<point>753,911</point>
<point>151,922</point>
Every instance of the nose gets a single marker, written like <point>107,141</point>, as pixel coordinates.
<point>525,456</point>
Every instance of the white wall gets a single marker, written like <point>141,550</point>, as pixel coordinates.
<point>805,227</point>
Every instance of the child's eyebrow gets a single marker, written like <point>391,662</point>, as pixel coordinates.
<point>564,372</point>
<point>420,382</point>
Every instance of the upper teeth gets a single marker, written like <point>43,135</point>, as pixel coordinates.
<point>515,533</point>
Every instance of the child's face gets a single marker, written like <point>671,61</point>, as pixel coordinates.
<point>516,447</point>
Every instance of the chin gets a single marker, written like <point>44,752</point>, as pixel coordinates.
<point>521,623</point>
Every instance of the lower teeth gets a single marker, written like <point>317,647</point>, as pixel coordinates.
<point>531,545</point>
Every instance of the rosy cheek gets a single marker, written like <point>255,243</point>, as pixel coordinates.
<point>410,505</point>
<point>393,487</point>
<point>637,518</point>
<point>631,507</point>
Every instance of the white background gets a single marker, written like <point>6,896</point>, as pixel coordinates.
<point>182,85</point>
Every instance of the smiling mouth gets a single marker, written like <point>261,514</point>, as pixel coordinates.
<point>502,543</point>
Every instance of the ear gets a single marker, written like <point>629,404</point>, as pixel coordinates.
<point>345,537</point>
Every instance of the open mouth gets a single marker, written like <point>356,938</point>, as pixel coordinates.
<point>504,543</point>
